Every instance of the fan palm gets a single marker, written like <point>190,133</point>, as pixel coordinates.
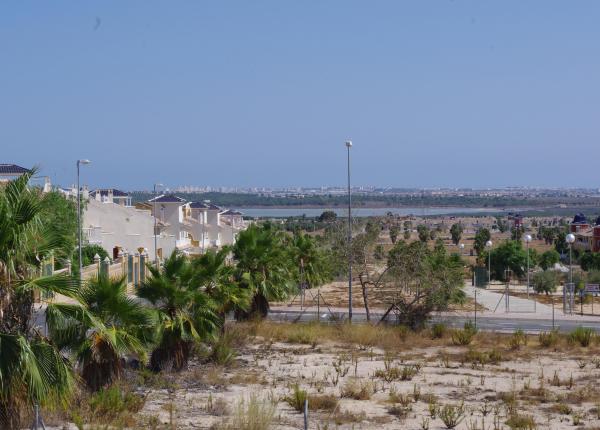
<point>213,273</point>
<point>263,267</point>
<point>312,263</point>
<point>32,369</point>
<point>185,312</point>
<point>107,326</point>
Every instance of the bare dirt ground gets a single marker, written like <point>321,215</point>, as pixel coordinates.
<point>363,377</point>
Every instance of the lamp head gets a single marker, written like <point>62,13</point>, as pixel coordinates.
<point>488,244</point>
<point>348,144</point>
<point>461,246</point>
<point>84,161</point>
<point>527,238</point>
<point>570,238</point>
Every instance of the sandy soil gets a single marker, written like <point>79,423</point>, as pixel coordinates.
<point>540,384</point>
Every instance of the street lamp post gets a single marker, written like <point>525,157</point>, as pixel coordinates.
<point>527,241</point>
<point>348,146</point>
<point>488,245</point>
<point>155,232</point>
<point>570,240</point>
<point>79,163</point>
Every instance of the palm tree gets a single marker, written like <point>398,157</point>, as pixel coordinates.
<point>107,326</point>
<point>32,370</point>
<point>263,267</point>
<point>185,312</point>
<point>216,276</point>
<point>312,263</point>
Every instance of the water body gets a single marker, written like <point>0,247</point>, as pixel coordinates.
<point>360,212</point>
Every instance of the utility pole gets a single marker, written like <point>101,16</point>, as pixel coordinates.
<point>155,231</point>
<point>348,146</point>
<point>79,162</point>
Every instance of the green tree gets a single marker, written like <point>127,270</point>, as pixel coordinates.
<point>423,232</point>
<point>590,261</point>
<point>548,259</point>
<point>432,234</point>
<point>185,313</point>
<point>502,225</point>
<point>456,232</point>
<point>481,238</point>
<point>107,326</point>
<point>560,242</point>
<point>312,264</point>
<point>429,280</point>
<point>545,282</point>
<point>32,369</point>
<point>379,252</point>
<point>508,255</point>
<point>394,232</point>
<point>327,216</point>
<point>517,233</point>
<point>61,213</point>
<point>406,234</point>
<point>263,267</point>
<point>214,274</point>
<point>88,252</point>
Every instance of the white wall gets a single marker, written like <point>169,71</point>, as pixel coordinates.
<point>125,226</point>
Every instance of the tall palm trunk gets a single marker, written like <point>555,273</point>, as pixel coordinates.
<point>10,416</point>
<point>170,355</point>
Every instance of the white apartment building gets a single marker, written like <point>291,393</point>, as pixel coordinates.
<point>196,225</point>
<point>110,221</point>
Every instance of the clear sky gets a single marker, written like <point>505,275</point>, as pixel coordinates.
<point>264,93</point>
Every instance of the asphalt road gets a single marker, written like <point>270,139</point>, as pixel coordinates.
<point>486,323</point>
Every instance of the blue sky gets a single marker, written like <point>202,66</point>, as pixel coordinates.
<point>264,93</point>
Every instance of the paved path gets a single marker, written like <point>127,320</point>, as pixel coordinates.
<point>488,322</point>
<point>495,302</point>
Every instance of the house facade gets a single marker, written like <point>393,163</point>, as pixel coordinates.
<point>587,236</point>
<point>120,228</point>
<point>198,226</point>
<point>8,172</point>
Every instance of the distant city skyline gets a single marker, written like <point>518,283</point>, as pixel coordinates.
<point>433,94</point>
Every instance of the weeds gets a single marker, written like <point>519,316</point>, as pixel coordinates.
<point>518,339</point>
<point>465,336</point>
<point>253,413</point>
<point>297,398</point>
<point>452,415</point>
<point>521,422</point>
<point>438,330</point>
<point>548,339</point>
<point>357,390</point>
<point>582,335</point>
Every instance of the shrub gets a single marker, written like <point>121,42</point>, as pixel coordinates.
<point>518,339</point>
<point>357,390</point>
<point>399,411</point>
<point>303,333</point>
<point>113,401</point>
<point>465,336</point>
<point>221,352</point>
<point>251,414</point>
<point>297,398</point>
<point>438,330</point>
<point>582,335</point>
<point>548,339</point>
<point>521,422</point>
<point>325,402</point>
<point>452,415</point>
